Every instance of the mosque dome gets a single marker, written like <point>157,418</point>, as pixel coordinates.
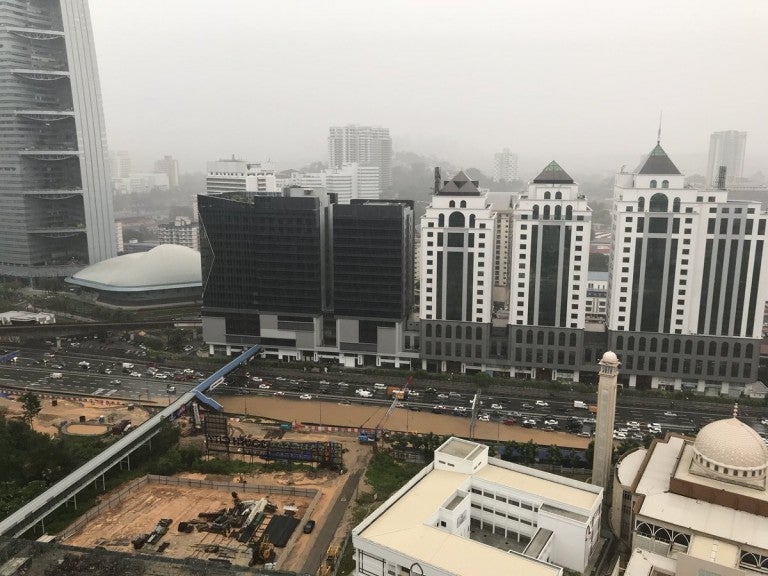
<point>729,449</point>
<point>609,358</point>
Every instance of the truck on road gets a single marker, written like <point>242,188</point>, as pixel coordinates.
<point>580,404</point>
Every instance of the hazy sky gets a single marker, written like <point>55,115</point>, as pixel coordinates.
<point>579,81</point>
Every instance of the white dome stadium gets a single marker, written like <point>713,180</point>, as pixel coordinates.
<point>165,267</point>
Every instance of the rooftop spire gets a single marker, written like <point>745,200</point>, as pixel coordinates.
<point>658,136</point>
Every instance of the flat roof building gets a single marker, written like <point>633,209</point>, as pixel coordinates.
<point>446,518</point>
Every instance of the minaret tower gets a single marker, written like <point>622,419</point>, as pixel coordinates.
<point>606,414</point>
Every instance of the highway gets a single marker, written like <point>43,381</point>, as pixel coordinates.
<point>30,372</point>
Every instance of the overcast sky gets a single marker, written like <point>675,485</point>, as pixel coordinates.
<point>580,82</point>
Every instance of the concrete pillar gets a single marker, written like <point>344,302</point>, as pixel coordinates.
<point>633,381</point>
<point>229,350</point>
<point>423,364</point>
<point>606,416</point>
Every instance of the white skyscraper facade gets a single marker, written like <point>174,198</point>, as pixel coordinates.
<point>687,281</point>
<point>726,149</point>
<point>457,256</point>
<point>55,190</point>
<point>505,166</point>
<point>350,182</point>
<point>550,229</point>
<point>234,176</point>
<point>362,145</point>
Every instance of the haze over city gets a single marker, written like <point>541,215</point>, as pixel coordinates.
<point>581,82</point>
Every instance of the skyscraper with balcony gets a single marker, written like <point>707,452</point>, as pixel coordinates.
<point>55,190</point>
<point>363,145</point>
<point>726,149</point>
<point>687,282</point>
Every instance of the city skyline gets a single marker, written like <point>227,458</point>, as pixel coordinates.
<point>603,107</point>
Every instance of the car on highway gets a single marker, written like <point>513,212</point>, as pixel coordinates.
<point>527,406</point>
<point>57,375</point>
<point>764,421</point>
<point>264,386</point>
<point>161,375</point>
<point>84,364</point>
<point>345,403</point>
<point>529,423</point>
<point>442,396</point>
<point>305,397</point>
<point>497,407</point>
<point>509,421</point>
<point>670,414</point>
<point>309,526</point>
<point>484,418</point>
<point>542,403</point>
<point>618,435</point>
<point>439,409</point>
<point>278,393</point>
<point>171,389</point>
<point>136,374</point>
<point>115,382</point>
<point>550,422</point>
<point>633,424</point>
<point>460,411</point>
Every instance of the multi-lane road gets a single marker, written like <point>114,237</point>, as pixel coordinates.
<point>105,378</point>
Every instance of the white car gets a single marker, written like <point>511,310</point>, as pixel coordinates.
<point>633,424</point>
<point>670,414</point>
<point>529,423</point>
<point>443,396</point>
<point>278,393</point>
<point>136,374</point>
<point>619,435</point>
<point>161,375</point>
<point>550,422</point>
<point>542,403</point>
<point>497,407</point>
<point>764,421</point>
<point>484,418</point>
<point>305,397</point>
<point>263,386</point>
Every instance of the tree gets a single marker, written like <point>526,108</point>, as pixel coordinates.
<point>176,341</point>
<point>555,455</point>
<point>31,406</point>
<point>528,452</point>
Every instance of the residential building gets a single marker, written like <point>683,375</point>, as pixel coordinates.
<point>169,166</point>
<point>687,281</point>
<point>456,288</point>
<point>182,231</point>
<point>505,166</point>
<point>306,278</point>
<point>363,145</point>
<point>351,181</point>
<point>502,203</point>
<point>698,506</point>
<point>551,227</point>
<point>120,163</point>
<point>287,178</point>
<point>119,237</point>
<point>141,183</point>
<point>467,514</point>
<point>239,178</point>
<point>597,297</point>
<point>726,149</point>
<point>55,194</point>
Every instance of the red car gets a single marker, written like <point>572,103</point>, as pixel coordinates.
<point>509,421</point>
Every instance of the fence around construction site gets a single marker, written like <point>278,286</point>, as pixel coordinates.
<point>139,483</point>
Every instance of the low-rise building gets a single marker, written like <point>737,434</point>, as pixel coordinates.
<point>468,514</point>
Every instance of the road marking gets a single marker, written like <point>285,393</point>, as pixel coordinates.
<point>110,392</point>
<point>99,391</point>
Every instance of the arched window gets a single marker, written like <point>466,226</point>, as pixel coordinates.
<point>448,332</point>
<point>619,342</point>
<point>463,204</point>
<point>439,331</point>
<point>529,337</point>
<point>569,212</point>
<point>535,211</point>
<point>478,333</point>
<point>518,336</point>
<point>471,220</point>
<point>546,212</point>
<point>641,346</point>
<point>712,349</point>
<point>560,339</point>
<point>748,351</point>
<point>456,220</point>
<point>688,347</point>
<point>558,212</point>
<point>441,220</point>
<point>676,205</point>
<point>452,204</point>
<point>737,350</point>
<point>641,204</point>
<point>665,183</point>
<point>468,333</point>
<point>665,344</point>
<point>540,338</point>
<point>573,339</point>
<point>428,331</point>
<point>558,195</point>
<point>653,183</point>
<point>658,203</point>
<point>547,195</point>
<point>700,348</point>
<point>724,349</point>
<point>631,343</point>
<point>676,347</point>
<point>654,344</point>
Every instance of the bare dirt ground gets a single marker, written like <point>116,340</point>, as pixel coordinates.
<point>401,420</point>
<point>52,417</point>
<point>87,429</point>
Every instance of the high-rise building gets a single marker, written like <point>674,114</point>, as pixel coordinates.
<point>350,182</point>
<point>55,193</point>
<point>456,288</point>
<point>550,230</point>
<point>502,203</point>
<point>602,464</point>
<point>141,183</point>
<point>308,279</point>
<point>170,166</point>
<point>505,166</point>
<point>363,145</point>
<point>687,281</point>
<point>182,232</point>
<point>120,163</point>
<point>234,177</point>
<point>726,149</point>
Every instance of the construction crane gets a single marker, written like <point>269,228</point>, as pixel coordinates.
<point>363,436</point>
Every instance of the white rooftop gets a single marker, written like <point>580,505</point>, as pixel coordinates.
<point>630,466</point>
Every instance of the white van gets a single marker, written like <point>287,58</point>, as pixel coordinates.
<point>57,375</point>
<point>380,386</point>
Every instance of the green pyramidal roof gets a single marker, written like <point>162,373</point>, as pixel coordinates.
<point>553,174</point>
<point>657,162</point>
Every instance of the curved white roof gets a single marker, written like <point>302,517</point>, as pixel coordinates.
<point>610,357</point>
<point>731,443</point>
<point>164,267</point>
